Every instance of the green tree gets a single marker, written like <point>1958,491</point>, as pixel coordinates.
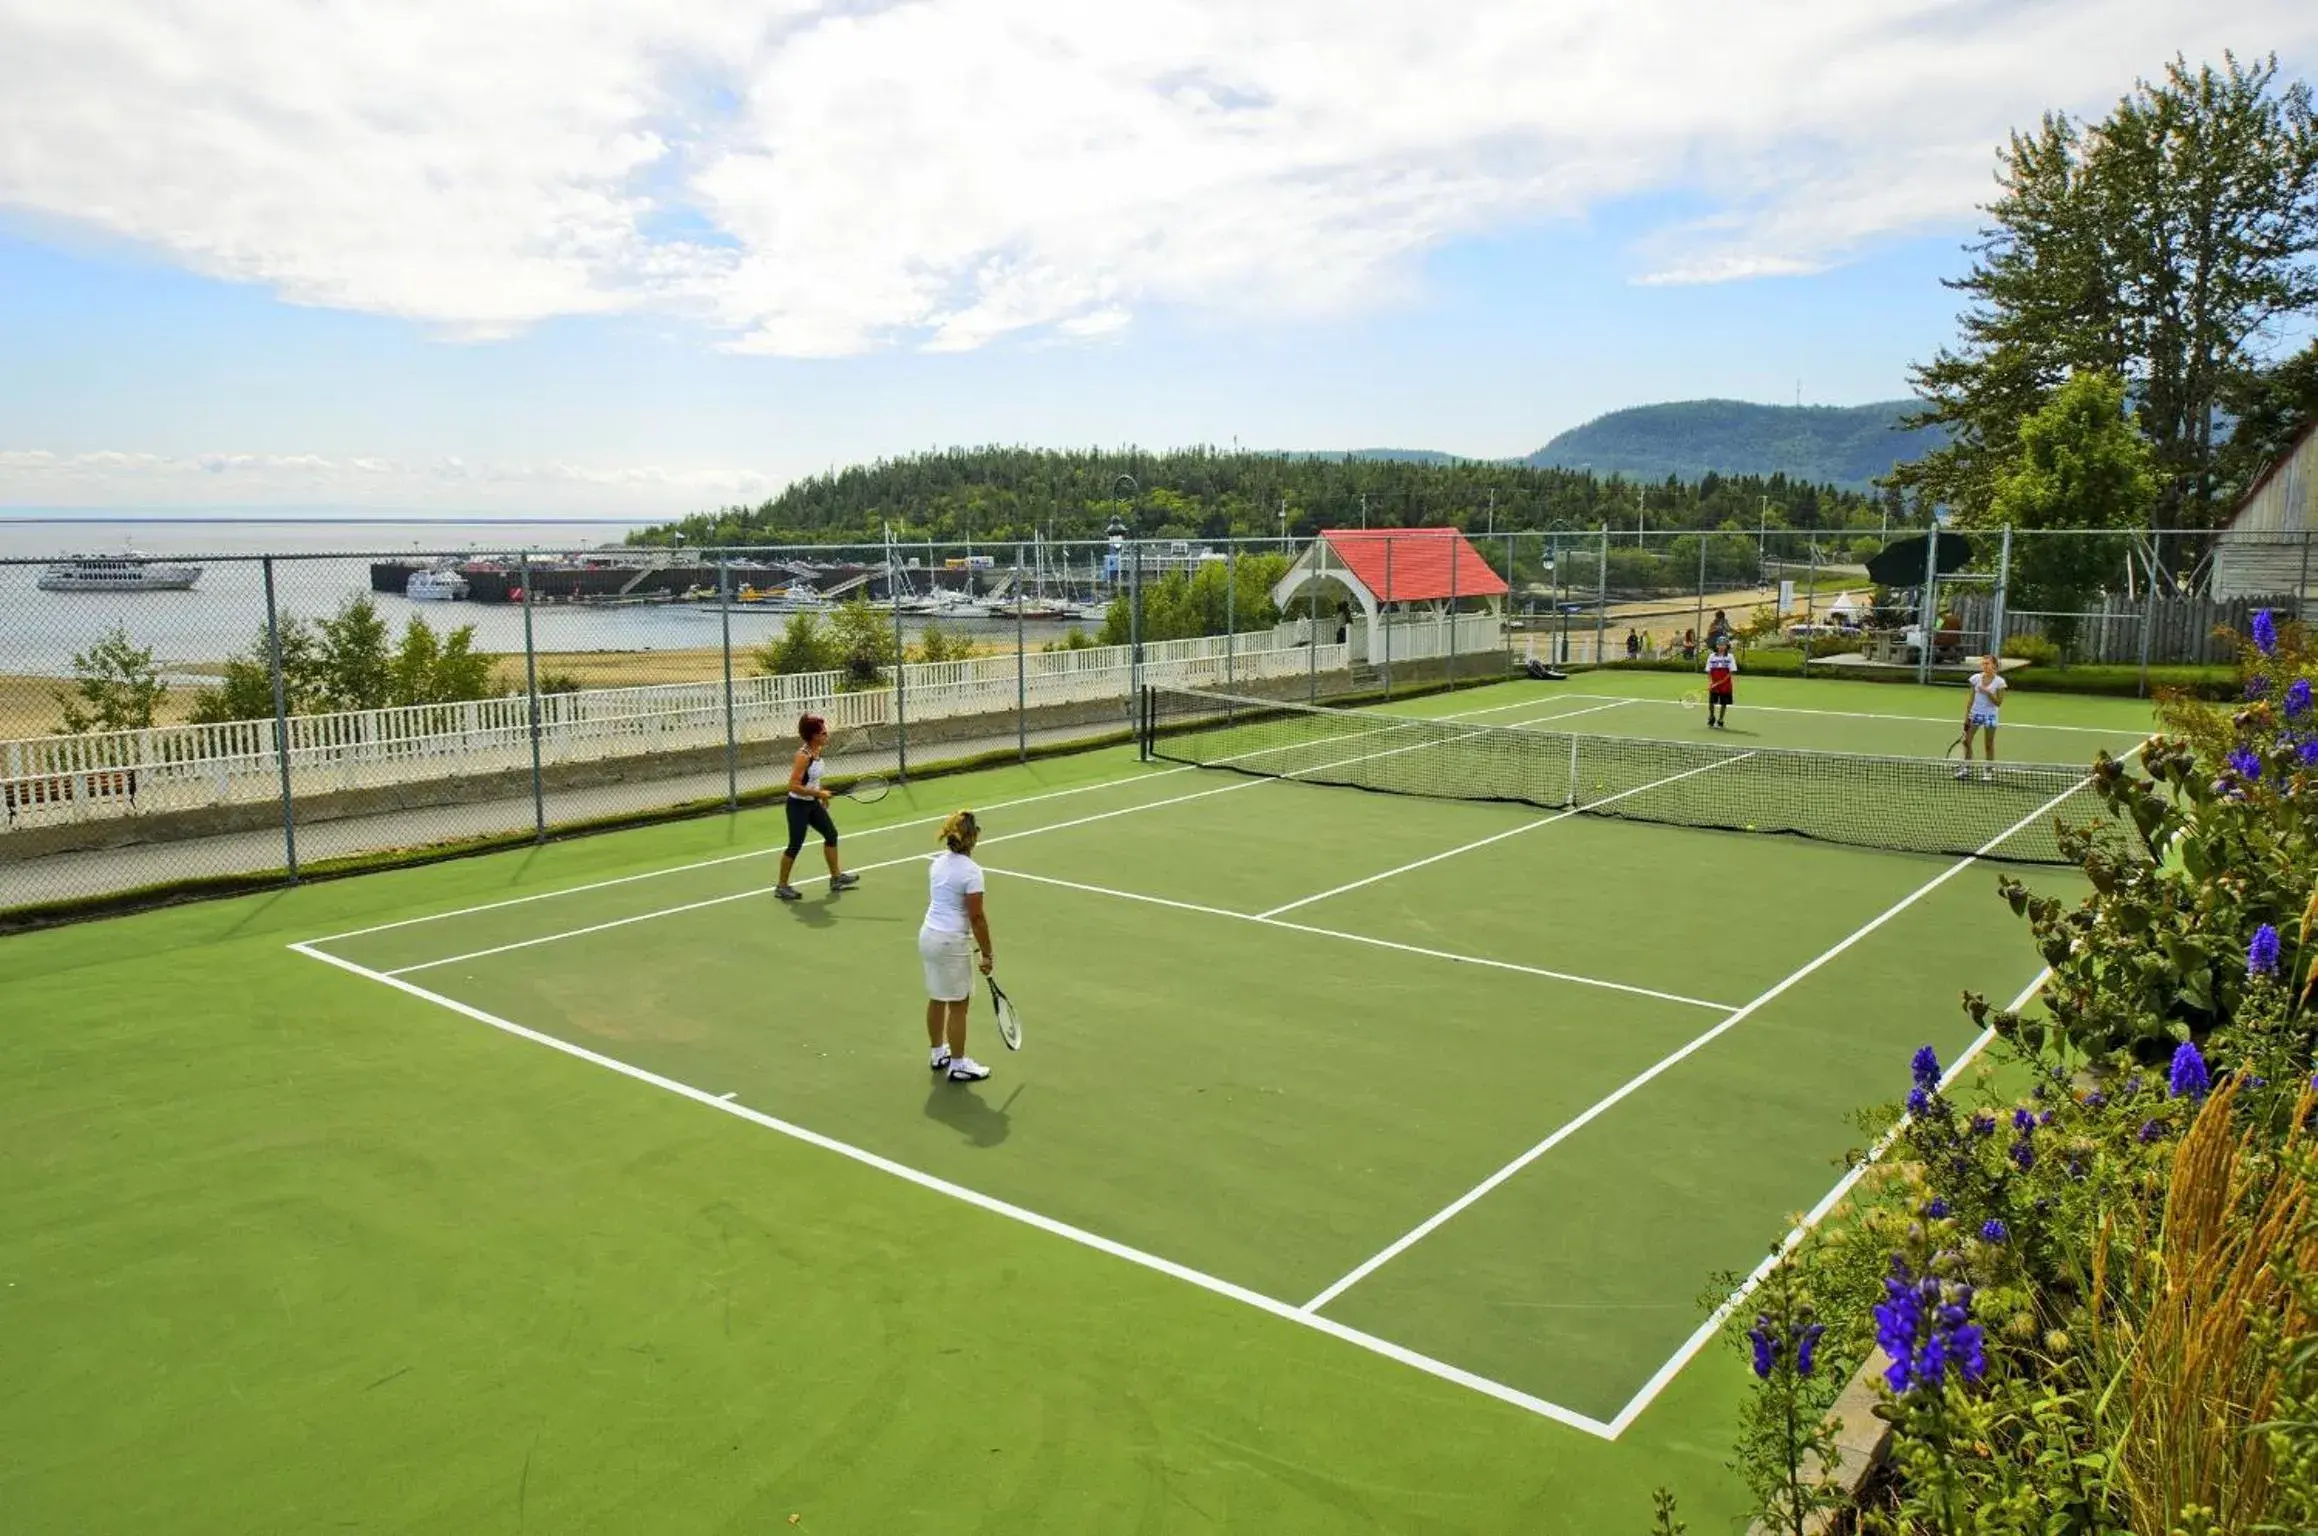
<point>864,642</point>
<point>1180,606</point>
<point>432,669</point>
<point>353,666</point>
<point>116,687</point>
<point>2165,245</point>
<point>2081,465</point>
<point>938,644</point>
<point>803,645</point>
<point>245,691</point>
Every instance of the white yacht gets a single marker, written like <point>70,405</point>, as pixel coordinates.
<point>445,586</point>
<point>118,573</point>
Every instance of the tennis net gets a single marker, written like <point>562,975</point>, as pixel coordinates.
<point>1909,805</point>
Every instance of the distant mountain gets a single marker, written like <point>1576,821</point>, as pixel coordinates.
<point>1824,444</point>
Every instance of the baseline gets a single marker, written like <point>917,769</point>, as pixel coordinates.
<point>1441,1369</point>
<point>1858,714</point>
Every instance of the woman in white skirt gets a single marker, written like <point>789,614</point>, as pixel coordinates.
<point>954,927</point>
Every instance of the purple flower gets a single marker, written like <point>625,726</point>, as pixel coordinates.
<point>2151,1130</point>
<point>1993,1231</point>
<point>2023,1155</point>
<point>2262,953</point>
<point>2265,632</point>
<point>1925,1328</point>
<point>2245,765</point>
<point>1925,1065</point>
<point>1807,1348</point>
<point>2298,699</point>
<point>2023,1121</point>
<point>1983,1123</point>
<point>1966,1345</point>
<point>2132,1085</point>
<point>2256,686</point>
<point>2189,1078</point>
<point>2096,1100</point>
<point>1918,1101</point>
<point>1936,1209</point>
<point>1766,1347</point>
<point>2307,753</point>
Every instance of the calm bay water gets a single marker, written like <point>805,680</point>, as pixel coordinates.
<point>325,563</point>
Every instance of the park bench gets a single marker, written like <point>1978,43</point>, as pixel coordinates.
<point>87,784</point>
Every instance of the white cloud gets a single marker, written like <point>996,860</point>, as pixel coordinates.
<point>113,478</point>
<point>819,179</point>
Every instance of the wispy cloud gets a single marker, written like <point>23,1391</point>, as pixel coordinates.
<point>820,179</point>
<point>38,477</point>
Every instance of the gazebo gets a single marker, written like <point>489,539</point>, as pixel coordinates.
<point>1403,581</point>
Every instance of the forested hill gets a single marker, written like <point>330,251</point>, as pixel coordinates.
<point>1847,446</point>
<point>1003,494</point>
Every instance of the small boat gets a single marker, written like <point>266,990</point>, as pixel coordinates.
<point>125,573</point>
<point>435,587</point>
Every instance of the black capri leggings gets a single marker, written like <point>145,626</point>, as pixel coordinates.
<point>813,815</point>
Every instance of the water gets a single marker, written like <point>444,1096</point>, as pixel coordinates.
<point>40,632</point>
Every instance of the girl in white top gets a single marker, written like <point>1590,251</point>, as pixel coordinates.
<point>1987,697</point>
<point>954,919</point>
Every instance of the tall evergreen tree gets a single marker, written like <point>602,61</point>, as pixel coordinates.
<point>2167,245</point>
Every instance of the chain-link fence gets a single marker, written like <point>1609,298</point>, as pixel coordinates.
<point>166,725</point>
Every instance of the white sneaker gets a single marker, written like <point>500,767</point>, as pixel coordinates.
<point>1987,775</point>
<point>938,1057</point>
<point>1964,772</point>
<point>965,1069</point>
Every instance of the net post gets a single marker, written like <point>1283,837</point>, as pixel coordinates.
<point>281,726</point>
<point>1143,724</point>
<point>731,728</point>
<point>531,696</point>
<point>1570,800</point>
<point>1021,669</point>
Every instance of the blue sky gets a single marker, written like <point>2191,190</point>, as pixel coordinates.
<point>366,270</point>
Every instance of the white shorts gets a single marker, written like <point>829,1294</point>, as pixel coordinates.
<point>949,962</point>
<point>1983,717</point>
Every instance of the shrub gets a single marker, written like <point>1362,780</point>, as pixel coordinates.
<point>2035,649</point>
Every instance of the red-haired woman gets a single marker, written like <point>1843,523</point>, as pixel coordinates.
<point>809,809</point>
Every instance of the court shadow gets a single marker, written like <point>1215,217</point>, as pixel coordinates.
<point>814,911</point>
<point>961,1107</point>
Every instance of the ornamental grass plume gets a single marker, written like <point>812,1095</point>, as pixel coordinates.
<point>2184,1332</point>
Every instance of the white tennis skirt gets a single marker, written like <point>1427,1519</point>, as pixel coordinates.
<point>949,962</point>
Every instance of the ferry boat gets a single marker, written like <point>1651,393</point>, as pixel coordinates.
<point>436,587</point>
<point>123,573</point>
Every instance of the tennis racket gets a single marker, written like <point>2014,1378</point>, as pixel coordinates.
<point>1956,751</point>
<point>1009,1021</point>
<point>1694,698</point>
<point>868,789</point>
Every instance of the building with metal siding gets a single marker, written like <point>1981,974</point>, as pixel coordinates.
<point>2264,550</point>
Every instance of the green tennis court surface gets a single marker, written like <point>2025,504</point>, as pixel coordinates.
<point>1372,1150</point>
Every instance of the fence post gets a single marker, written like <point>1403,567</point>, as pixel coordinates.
<point>1135,619</point>
<point>1021,669</point>
<point>1601,594</point>
<point>2003,592</point>
<point>531,696</point>
<point>1385,614</point>
<point>1456,550</point>
<point>281,726</point>
<point>2148,622</point>
<point>1231,617</point>
<point>1699,629</point>
<point>731,733</point>
<point>1926,619</point>
<point>2302,587</point>
<point>901,654</point>
<point>1810,607</point>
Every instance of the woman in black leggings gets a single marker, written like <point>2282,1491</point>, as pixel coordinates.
<point>809,809</point>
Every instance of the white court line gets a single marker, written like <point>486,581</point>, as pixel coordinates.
<point>1818,1213</point>
<point>1664,1064</point>
<point>1457,1375</point>
<point>1362,938</point>
<point>914,858</point>
<point>891,826</point>
<point>1498,837</point>
<point>1850,714</point>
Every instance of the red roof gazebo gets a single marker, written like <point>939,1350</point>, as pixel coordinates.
<point>1399,578</point>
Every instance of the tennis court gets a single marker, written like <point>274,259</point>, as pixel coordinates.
<point>1479,1085</point>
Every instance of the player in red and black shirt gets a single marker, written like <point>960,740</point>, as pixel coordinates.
<point>1721,669</point>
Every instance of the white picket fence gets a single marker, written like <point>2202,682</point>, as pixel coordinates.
<point>186,767</point>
